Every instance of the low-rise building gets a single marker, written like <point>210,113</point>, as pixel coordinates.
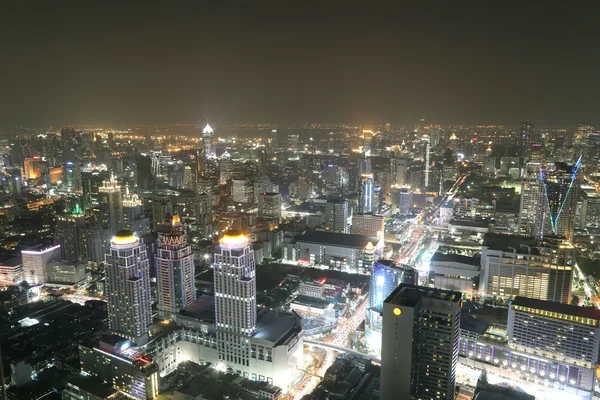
<point>11,271</point>
<point>66,273</point>
<point>455,272</point>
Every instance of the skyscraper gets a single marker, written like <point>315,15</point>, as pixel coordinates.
<point>336,216</point>
<point>208,141</point>
<point>530,196</point>
<point>128,288</point>
<point>175,268</point>
<point>385,277</point>
<point>35,261</point>
<point>366,193</point>
<point>143,172</point>
<point>557,203</point>
<point>111,205</point>
<point>73,177</point>
<point>134,218</point>
<point>526,137</point>
<point>235,297</point>
<point>269,206</point>
<point>420,343</point>
<point>66,235</point>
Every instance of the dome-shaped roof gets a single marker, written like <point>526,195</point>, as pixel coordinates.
<point>234,237</point>
<point>125,236</point>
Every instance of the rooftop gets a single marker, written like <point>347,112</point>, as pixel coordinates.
<point>410,295</point>
<point>275,327</point>
<point>584,312</point>
<point>202,309</point>
<point>92,385</point>
<point>336,239</point>
<point>497,241</point>
<point>442,257</point>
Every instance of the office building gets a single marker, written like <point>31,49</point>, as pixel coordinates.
<point>66,273</point>
<point>143,172</point>
<point>269,206</point>
<point>403,199</point>
<point>73,177</point>
<point>66,234</point>
<point>175,268</point>
<point>35,262</point>
<point>32,168</point>
<point>455,272</point>
<point>590,207</point>
<point>204,215</point>
<point>208,141</point>
<point>11,271</point>
<point>385,277</point>
<point>81,387</point>
<point>557,201</point>
<point>568,332</point>
<point>365,203</point>
<point>336,216</point>
<point>419,352</point>
<point>115,361</point>
<point>241,191</point>
<point>527,137</point>
<point>111,205</point>
<point>15,181</point>
<point>368,225</point>
<point>128,288</point>
<point>519,266</point>
<point>263,185</point>
<point>530,197</point>
<point>134,218</point>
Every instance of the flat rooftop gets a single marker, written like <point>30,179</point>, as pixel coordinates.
<point>410,295</point>
<point>497,241</point>
<point>584,312</point>
<point>202,309</point>
<point>336,239</point>
<point>441,257</point>
<point>275,327</point>
<point>93,386</point>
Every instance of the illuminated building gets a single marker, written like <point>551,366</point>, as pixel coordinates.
<point>557,203</point>
<point>54,175</point>
<point>128,288</point>
<point>175,268</point>
<point>111,205</point>
<point>80,387</point>
<point>385,277</point>
<point>134,218</point>
<point>11,271</point>
<point>208,141</point>
<point>113,360</point>
<point>368,141</point>
<point>336,250</point>
<point>530,196</point>
<point>554,329</point>
<point>269,206</point>
<point>189,178</point>
<point>241,191</point>
<point>590,207</point>
<point>15,181</point>
<point>65,273</point>
<point>32,167</point>
<point>73,177</point>
<point>527,137</point>
<point>67,235</point>
<point>336,216</point>
<point>420,335</point>
<point>368,225</point>
<point>35,263</point>
<point>161,206</point>
<point>366,193</point>
<point>455,272</point>
<point>517,266</point>
<point>403,199</point>
<point>293,143</point>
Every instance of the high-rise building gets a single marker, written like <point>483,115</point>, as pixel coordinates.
<point>32,167</point>
<point>385,277</point>
<point>568,332</point>
<point>143,172</point>
<point>263,185</point>
<point>403,199</point>
<point>208,141</point>
<point>366,193</point>
<point>527,137</point>
<point>134,217</point>
<point>241,191</point>
<point>161,206</point>
<point>336,216</point>
<point>15,181</point>
<point>235,298</point>
<point>420,343</point>
<point>73,177</point>
<point>293,143</point>
<point>128,288</point>
<point>204,214</point>
<point>269,206</point>
<point>368,225</point>
<point>66,234</point>
<point>35,262</point>
<point>111,205</point>
<point>175,268</point>
<point>518,266</point>
<point>530,197</point>
<point>556,208</point>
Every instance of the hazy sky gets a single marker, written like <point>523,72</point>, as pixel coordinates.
<point>446,61</point>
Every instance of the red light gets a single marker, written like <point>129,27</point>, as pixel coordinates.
<point>323,281</point>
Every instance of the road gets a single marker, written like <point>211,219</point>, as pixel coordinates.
<point>340,338</point>
<point>428,218</point>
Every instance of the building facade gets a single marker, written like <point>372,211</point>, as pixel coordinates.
<point>368,225</point>
<point>35,263</point>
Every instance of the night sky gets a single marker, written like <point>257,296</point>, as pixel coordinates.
<point>446,61</point>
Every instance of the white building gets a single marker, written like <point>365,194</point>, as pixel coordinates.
<point>128,287</point>
<point>368,225</point>
<point>111,205</point>
<point>241,191</point>
<point>208,141</point>
<point>269,206</point>
<point>35,262</point>
<point>11,271</point>
<point>175,268</point>
<point>65,273</point>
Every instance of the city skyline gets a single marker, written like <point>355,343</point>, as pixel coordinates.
<point>254,63</point>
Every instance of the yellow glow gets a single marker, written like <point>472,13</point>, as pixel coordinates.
<point>397,311</point>
<point>130,239</point>
<point>369,246</point>
<point>175,219</point>
<point>234,239</point>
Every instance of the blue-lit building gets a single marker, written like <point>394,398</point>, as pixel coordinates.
<point>385,277</point>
